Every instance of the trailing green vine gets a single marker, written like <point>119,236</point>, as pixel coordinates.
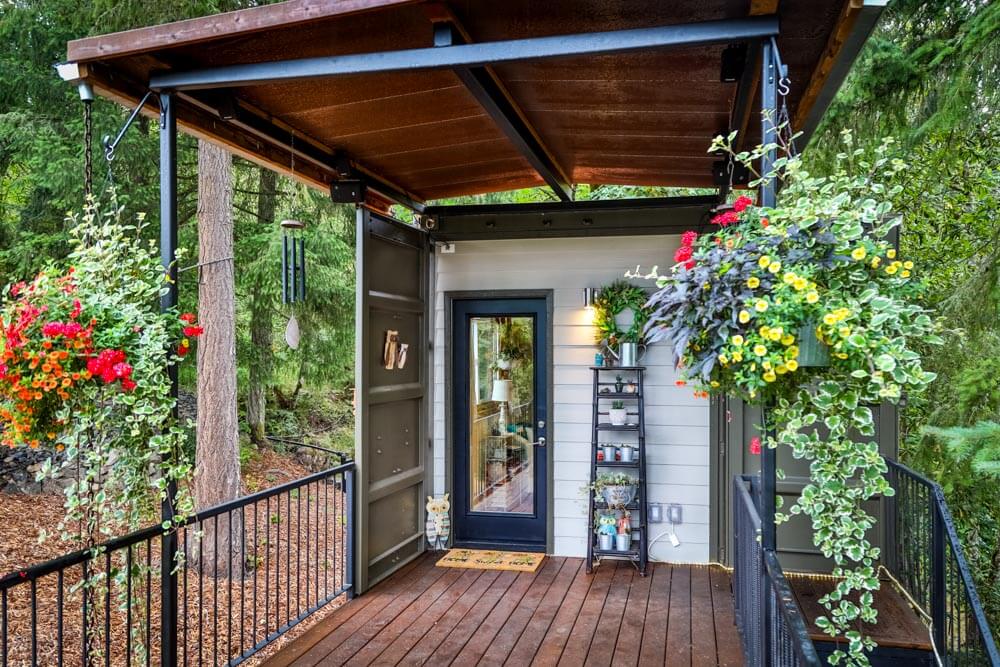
<point>805,307</point>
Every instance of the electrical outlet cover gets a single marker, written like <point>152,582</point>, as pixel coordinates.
<point>674,540</point>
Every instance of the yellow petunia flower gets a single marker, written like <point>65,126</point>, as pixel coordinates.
<point>787,339</point>
<point>907,264</point>
<point>753,282</point>
<point>841,355</point>
<point>744,317</point>
<point>723,359</point>
<point>774,334</point>
<point>812,297</point>
<point>844,332</point>
<point>876,261</point>
<point>761,305</point>
<point>759,350</point>
<point>770,376</point>
<point>792,352</point>
<point>737,356</point>
<point>800,284</point>
<point>714,383</point>
<point>764,331</point>
<point>774,267</point>
<point>829,319</point>
<point>782,369</point>
<point>859,253</point>
<point>789,277</point>
<point>764,261</point>
<point>905,273</point>
<point>891,253</point>
<point>792,365</point>
<point>737,340</point>
<point>891,269</point>
<point>766,365</point>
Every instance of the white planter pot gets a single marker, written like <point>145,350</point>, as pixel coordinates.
<point>610,452</point>
<point>628,454</point>
<point>618,496</point>
<point>503,364</point>
<point>623,542</point>
<point>617,416</point>
<point>605,542</point>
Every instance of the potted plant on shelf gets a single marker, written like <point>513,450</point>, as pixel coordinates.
<point>623,536</point>
<point>806,309</point>
<point>617,414</point>
<point>628,452</point>
<point>609,451</point>
<point>606,531</point>
<point>614,489</point>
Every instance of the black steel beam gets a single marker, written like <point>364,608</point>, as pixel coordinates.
<point>668,215</point>
<point>473,55</point>
<point>168,301</point>
<point>489,92</point>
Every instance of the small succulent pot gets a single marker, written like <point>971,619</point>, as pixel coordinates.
<point>617,496</point>
<point>617,416</point>
<point>628,454</point>
<point>610,452</point>
<point>606,542</point>
<point>623,542</point>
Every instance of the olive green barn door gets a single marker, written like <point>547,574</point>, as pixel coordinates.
<point>734,423</point>
<point>391,441</point>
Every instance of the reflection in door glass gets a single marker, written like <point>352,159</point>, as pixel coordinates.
<point>502,432</point>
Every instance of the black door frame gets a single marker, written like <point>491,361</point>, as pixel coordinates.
<point>545,365</point>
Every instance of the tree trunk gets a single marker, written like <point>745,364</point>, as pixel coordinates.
<point>261,324</point>
<point>217,458</point>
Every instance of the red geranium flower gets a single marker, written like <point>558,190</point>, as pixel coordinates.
<point>690,264</point>
<point>193,332</point>
<point>688,238</point>
<point>755,445</point>
<point>725,219</point>
<point>741,203</point>
<point>683,253</point>
<point>189,318</point>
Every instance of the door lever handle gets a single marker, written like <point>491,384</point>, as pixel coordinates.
<point>540,442</point>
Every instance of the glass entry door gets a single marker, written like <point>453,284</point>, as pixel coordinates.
<point>500,398</point>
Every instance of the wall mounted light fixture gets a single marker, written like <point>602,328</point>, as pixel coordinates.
<point>588,297</point>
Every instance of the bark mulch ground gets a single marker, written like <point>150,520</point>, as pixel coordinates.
<point>287,554</point>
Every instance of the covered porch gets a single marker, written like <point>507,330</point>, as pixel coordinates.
<point>394,106</point>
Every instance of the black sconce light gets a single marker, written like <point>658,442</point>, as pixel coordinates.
<point>293,262</point>
<point>734,59</point>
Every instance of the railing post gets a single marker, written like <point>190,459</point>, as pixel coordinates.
<point>768,456</point>
<point>938,583</point>
<point>349,532</point>
<point>168,251</point>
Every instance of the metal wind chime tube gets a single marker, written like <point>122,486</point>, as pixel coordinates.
<point>293,263</point>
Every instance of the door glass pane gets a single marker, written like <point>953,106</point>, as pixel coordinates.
<point>502,427</point>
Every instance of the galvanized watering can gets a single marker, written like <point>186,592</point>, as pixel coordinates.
<point>628,354</point>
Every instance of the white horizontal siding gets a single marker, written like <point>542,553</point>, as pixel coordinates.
<point>677,422</point>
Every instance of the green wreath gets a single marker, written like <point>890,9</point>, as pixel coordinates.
<point>614,299</point>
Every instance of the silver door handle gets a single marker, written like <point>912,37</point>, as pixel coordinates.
<point>540,442</point>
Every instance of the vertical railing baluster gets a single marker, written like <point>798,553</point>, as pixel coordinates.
<point>288,557</point>
<point>3,627</point>
<point>242,572</point>
<point>149,603</point>
<point>59,618</point>
<point>256,566</point>
<point>231,574</point>
<point>128,605</point>
<point>215,589</point>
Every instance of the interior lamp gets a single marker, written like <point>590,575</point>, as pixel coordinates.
<point>501,391</point>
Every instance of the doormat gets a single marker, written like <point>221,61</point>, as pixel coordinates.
<point>477,559</point>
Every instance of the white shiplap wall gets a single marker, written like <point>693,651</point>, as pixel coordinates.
<point>677,442</point>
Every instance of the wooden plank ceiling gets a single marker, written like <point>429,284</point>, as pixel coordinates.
<point>636,119</point>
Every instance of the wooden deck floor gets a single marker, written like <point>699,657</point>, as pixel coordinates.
<point>559,615</point>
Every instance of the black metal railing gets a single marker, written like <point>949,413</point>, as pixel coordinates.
<point>923,553</point>
<point>771,625</point>
<point>247,571</point>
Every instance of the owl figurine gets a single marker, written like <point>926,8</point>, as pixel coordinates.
<point>606,525</point>
<point>438,524</point>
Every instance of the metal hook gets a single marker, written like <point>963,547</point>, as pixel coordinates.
<point>783,86</point>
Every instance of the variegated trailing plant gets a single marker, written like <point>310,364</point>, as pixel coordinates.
<point>744,303</point>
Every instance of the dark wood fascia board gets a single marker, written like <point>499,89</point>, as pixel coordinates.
<point>229,24</point>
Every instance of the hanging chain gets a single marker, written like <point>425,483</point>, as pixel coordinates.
<point>88,157</point>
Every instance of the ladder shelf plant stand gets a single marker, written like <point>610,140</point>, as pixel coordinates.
<point>609,387</point>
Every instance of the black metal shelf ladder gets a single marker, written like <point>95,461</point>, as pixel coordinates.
<point>638,553</point>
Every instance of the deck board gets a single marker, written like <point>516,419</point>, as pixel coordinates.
<point>679,615</point>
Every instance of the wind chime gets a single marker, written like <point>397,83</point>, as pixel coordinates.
<point>293,266</point>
